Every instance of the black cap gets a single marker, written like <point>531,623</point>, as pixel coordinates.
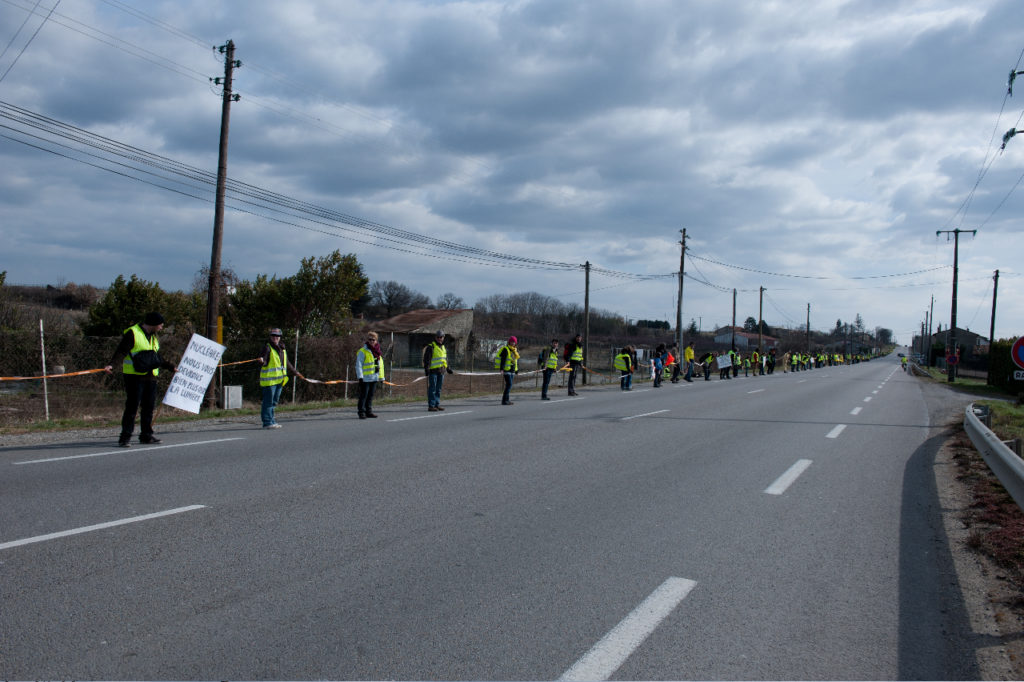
<point>153,319</point>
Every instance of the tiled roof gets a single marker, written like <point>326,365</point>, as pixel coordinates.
<point>417,321</point>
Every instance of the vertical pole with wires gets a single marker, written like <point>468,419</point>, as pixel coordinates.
<point>679,301</point>
<point>992,325</point>
<point>951,346</point>
<point>808,328</point>
<point>586,318</point>
<point>760,321</point>
<point>734,319</point>
<point>213,293</point>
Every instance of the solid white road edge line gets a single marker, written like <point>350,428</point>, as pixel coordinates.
<point>834,433</point>
<point>121,451</point>
<point>785,480</point>
<point>646,414</point>
<point>621,641</point>
<point>99,526</point>
<point>429,416</point>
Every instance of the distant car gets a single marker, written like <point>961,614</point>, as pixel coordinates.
<point>902,355</point>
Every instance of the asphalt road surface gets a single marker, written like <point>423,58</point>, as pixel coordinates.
<point>777,527</point>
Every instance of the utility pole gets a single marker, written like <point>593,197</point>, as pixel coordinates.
<point>679,302</point>
<point>586,318</point>
<point>734,319</point>
<point>931,323</point>
<point>992,324</point>
<point>213,293</point>
<point>808,328</point>
<point>760,321</point>
<point>951,346</point>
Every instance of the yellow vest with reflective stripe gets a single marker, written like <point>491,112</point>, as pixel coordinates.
<point>622,362</point>
<point>142,343</point>
<point>276,370</point>
<point>439,359</point>
<point>577,354</point>
<point>510,363</point>
<point>373,368</point>
<point>552,361</point>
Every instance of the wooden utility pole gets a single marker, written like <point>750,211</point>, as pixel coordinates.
<point>213,292</point>
<point>586,318</point>
<point>951,346</point>
<point>679,301</point>
<point>992,324</point>
<point>734,319</point>
<point>760,321</point>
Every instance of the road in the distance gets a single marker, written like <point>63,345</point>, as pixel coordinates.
<point>760,528</point>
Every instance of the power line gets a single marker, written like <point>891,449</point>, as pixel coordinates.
<point>34,34</point>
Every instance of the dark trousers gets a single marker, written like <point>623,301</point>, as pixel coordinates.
<point>365,403</point>
<point>507,377</point>
<point>548,373</point>
<point>573,368</point>
<point>140,396</point>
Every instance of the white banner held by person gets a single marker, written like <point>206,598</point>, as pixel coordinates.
<point>188,387</point>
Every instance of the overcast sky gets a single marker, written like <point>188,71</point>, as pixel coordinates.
<point>811,148</point>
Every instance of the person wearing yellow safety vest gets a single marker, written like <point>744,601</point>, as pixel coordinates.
<point>755,361</point>
<point>624,363</point>
<point>574,354</point>
<point>138,353</point>
<point>548,362</point>
<point>435,366</point>
<point>688,357</point>
<point>274,368</point>
<point>507,361</point>
<point>369,371</point>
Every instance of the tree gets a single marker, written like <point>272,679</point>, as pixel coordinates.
<point>838,331</point>
<point>321,293</point>
<point>390,298</point>
<point>858,324</point>
<point>450,301</point>
<point>750,324</point>
<point>127,302</point>
<point>692,329</point>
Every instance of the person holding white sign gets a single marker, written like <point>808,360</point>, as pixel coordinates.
<point>138,353</point>
<point>273,377</point>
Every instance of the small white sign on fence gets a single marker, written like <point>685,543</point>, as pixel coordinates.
<point>196,368</point>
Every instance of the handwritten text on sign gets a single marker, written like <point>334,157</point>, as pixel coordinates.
<point>195,370</point>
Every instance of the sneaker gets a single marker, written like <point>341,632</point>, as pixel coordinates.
<point>272,426</point>
<point>439,408</point>
<point>432,409</point>
<point>362,416</point>
<point>123,444</point>
<point>544,397</point>
<point>149,440</point>
<point>506,402</point>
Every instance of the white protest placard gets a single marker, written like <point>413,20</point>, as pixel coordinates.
<point>724,360</point>
<point>196,368</point>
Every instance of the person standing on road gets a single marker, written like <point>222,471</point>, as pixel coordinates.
<point>705,362</point>
<point>688,362</point>
<point>369,372</point>
<point>548,362</point>
<point>624,363</point>
<point>435,366</point>
<point>507,361</point>
<point>138,353</point>
<point>273,376</point>
<point>574,354</point>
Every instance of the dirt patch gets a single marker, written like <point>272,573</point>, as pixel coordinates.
<point>985,528</point>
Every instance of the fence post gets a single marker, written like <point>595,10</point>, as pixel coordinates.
<point>295,364</point>
<point>42,348</point>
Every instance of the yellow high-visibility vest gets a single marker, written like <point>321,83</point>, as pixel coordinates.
<point>439,359</point>
<point>623,362</point>
<point>142,343</point>
<point>373,368</point>
<point>276,370</point>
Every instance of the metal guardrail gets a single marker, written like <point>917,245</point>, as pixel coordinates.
<point>1004,462</point>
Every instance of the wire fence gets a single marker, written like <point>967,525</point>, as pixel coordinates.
<point>99,397</point>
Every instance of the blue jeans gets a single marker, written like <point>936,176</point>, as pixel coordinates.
<point>434,384</point>
<point>271,396</point>
<point>548,373</point>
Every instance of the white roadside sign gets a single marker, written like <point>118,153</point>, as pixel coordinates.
<point>196,368</point>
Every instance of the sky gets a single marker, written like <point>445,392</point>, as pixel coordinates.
<point>811,148</point>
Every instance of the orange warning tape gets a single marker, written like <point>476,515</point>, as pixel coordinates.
<point>53,376</point>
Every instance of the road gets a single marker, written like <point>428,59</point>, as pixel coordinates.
<point>778,527</point>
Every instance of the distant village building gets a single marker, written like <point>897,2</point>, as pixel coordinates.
<point>411,332</point>
<point>969,342</point>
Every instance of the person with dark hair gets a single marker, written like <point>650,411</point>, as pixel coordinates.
<point>624,363</point>
<point>548,362</point>
<point>507,361</point>
<point>138,353</point>
<point>574,354</point>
